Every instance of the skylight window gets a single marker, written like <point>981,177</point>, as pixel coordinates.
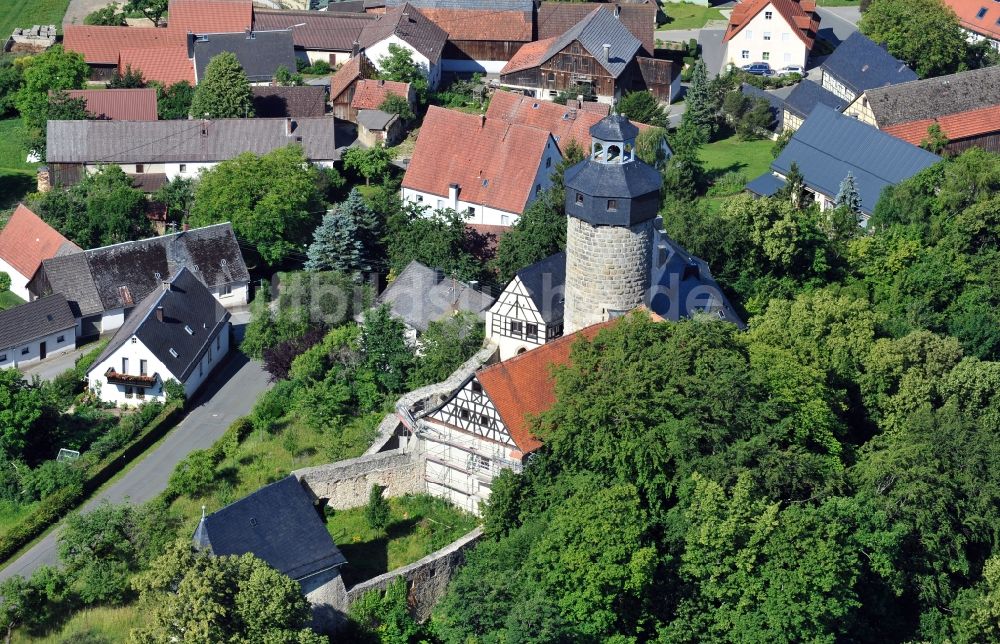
<point>173,352</point>
<point>188,329</point>
<point>982,12</point>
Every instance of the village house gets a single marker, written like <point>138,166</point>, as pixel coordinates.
<point>490,177</point>
<point>556,18</point>
<point>344,83</point>
<point>277,101</point>
<point>964,105</point>
<point>777,32</point>
<point>35,331</point>
<point>103,285</point>
<point>178,148</point>
<point>803,99</point>
<point>529,311</point>
<point>118,104</point>
<point>598,57</point>
<point>280,524</point>
<point>179,332</point>
<point>405,27</point>
<point>829,145</point>
<point>260,53</point>
<point>980,20</point>
<point>328,36</point>
<point>25,242</point>
<point>859,64</point>
<point>420,295</point>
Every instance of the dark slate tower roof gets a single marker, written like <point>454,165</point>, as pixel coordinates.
<point>613,189</point>
<point>614,128</point>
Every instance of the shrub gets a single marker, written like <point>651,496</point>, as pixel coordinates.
<point>377,510</point>
<point>731,183</point>
<point>50,477</point>
<point>194,475</point>
<point>51,509</point>
<point>174,391</point>
<point>272,406</point>
<point>4,281</point>
<point>278,359</point>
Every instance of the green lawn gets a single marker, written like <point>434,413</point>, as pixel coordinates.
<point>418,526</point>
<point>752,158</point>
<point>92,625</point>
<point>25,13</point>
<point>11,513</point>
<point>684,15</point>
<point>8,300</point>
<point>17,176</point>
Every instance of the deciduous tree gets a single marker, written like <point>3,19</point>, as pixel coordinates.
<point>642,107</point>
<point>925,34</point>
<point>224,92</point>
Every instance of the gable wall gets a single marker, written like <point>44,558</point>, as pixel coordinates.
<point>784,47</point>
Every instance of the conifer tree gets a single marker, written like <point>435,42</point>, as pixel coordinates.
<point>700,110</point>
<point>224,92</point>
<point>335,244</point>
<point>848,196</point>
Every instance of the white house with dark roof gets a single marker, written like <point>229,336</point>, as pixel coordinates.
<point>529,311</point>
<point>103,285</point>
<point>404,26</point>
<point>36,330</point>
<point>178,332</point>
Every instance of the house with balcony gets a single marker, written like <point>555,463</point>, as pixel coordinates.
<point>777,32</point>
<point>178,332</point>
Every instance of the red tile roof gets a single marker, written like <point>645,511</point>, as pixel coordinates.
<point>522,387</point>
<point>475,24</point>
<point>530,55</point>
<point>493,162</point>
<point>210,16</point>
<point>100,45</point>
<point>26,240</point>
<point>968,16</point>
<point>370,94</point>
<point>343,77</point>
<point>119,104</point>
<point>800,14</point>
<point>954,126</point>
<point>167,65</point>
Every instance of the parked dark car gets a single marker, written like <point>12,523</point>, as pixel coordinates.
<point>758,69</point>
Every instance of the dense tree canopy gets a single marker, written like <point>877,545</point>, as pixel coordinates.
<point>925,34</point>
<point>224,92</point>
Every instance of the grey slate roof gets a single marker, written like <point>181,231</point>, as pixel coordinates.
<point>33,320</point>
<point>614,128</point>
<point>807,95</point>
<point>120,276</point>
<point>860,64</point>
<point>545,282</point>
<point>187,304</point>
<point>420,295</point>
<point>179,141</point>
<point>829,144</point>
<point>260,52</point>
<point>411,26</point>
<point>279,524</point>
<point>375,119</point>
<point>686,287</point>
<point>766,185</point>
<point>934,97</point>
<point>596,30</point>
<point>279,102</point>
<point>777,104</point>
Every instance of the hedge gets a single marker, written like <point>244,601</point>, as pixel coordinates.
<point>54,507</point>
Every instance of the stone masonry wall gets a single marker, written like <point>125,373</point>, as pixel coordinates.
<point>347,483</point>
<point>607,269</point>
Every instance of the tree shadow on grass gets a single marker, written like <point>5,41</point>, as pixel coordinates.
<point>369,559</point>
<point>713,175</point>
<point>14,186</point>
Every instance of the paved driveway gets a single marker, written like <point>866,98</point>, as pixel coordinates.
<point>51,367</point>
<point>837,23</point>
<point>229,394</point>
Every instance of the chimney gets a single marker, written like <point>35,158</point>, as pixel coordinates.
<point>159,314</point>
<point>438,275</point>
<point>572,114</point>
<point>165,284</point>
<point>355,48</point>
<point>453,195</point>
<point>246,33</point>
<point>381,82</point>
<point>482,120</point>
<point>406,16</point>
<point>289,126</point>
<point>204,127</point>
<point>607,53</point>
<point>618,11</point>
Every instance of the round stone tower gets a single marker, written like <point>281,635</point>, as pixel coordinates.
<point>611,203</point>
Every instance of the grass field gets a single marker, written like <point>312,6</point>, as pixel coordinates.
<point>17,176</point>
<point>25,13</point>
<point>91,625</point>
<point>8,300</point>
<point>752,158</point>
<point>418,526</point>
<point>11,513</point>
<point>684,15</point>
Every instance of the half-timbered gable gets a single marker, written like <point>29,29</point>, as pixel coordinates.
<point>471,410</point>
<point>529,311</point>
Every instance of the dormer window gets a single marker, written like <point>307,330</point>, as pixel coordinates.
<point>612,205</point>
<point>579,199</point>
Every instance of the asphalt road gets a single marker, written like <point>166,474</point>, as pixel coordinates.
<point>840,22</point>
<point>229,394</point>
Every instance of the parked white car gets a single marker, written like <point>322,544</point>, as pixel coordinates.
<point>793,69</point>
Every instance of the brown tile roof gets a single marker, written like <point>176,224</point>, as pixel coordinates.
<point>322,29</point>
<point>555,18</point>
<point>210,16</point>
<point>370,94</point>
<point>934,97</point>
<point>276,102</point>
<point>409,25</point>
<point>968,16</point>
<point>100,45</point>
<point>522,387</point>
<point>349,72</point>
<point>530,55</point>
<point>167,65</point>
<point>26,240</point>
<point>954,126</point>
<point>119,104</point>
<point>493,162</point>
<point>800,14</point>
<point>476,24</point>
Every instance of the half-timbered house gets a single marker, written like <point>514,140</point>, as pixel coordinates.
<point>529,311</point>
<point>598,57</point>
<point>484,427</point>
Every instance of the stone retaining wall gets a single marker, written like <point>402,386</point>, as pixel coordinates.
<point>346,484</point>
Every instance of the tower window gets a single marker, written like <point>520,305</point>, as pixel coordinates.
<point>612,205</point>
<point>579,199</point>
